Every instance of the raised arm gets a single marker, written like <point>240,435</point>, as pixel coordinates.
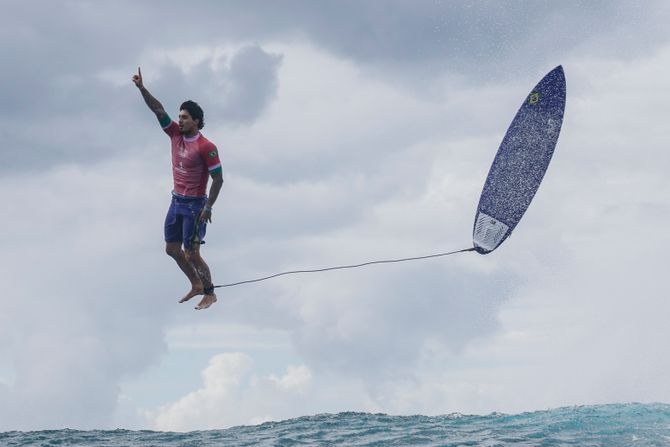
<point>153,104</point>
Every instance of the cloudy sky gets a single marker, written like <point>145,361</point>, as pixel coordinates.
<point>349,131</point>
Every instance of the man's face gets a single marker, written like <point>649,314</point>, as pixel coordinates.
<point>187,125</point>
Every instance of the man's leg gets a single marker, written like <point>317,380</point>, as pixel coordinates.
<point>202,269</point>
<point>174,250</point>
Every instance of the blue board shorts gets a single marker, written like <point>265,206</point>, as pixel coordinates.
<point>181,221</point>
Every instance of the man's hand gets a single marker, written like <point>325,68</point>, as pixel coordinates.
<point>205,215</point>
<point>137,79</point>
<point>153,104</point>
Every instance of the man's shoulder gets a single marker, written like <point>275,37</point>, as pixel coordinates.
<point>205,143</point>
<point>172,129</point>
<point>208,151</point>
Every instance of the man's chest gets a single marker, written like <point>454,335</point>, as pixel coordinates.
<point>186,155</point>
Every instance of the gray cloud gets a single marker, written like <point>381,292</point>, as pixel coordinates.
<point>382,329</point>
<point>236,92</point>
<point>482,40</point>
<point>50,90</point>
<point>82,119</point>
<point>75,349</point>
<point>79,312</point>
<point>466,37</point>
<point>252,84</point>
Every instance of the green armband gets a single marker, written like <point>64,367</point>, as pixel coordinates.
<point>165,121</point>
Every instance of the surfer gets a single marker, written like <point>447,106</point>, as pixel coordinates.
<point>194,160</point>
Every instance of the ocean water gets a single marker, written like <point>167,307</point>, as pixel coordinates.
<point>584,426</point>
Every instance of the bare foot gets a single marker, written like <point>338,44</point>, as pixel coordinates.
<point>195,290</point>
<point>206,301</point>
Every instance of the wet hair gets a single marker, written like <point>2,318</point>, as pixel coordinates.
<point>195,111</point>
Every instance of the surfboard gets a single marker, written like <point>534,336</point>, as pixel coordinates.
<point>520,163</point>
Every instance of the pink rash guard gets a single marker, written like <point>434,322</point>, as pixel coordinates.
<point>193,159</point>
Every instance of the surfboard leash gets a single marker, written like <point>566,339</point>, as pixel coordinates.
<point>342,267</point>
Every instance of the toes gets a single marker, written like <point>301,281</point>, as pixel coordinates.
<point>191,294</point>
<point>205,303</point>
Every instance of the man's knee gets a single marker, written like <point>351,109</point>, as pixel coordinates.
<point>191,254</point>
<point>173,249</point>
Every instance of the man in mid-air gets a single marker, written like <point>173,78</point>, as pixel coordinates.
<point>194,159</point>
